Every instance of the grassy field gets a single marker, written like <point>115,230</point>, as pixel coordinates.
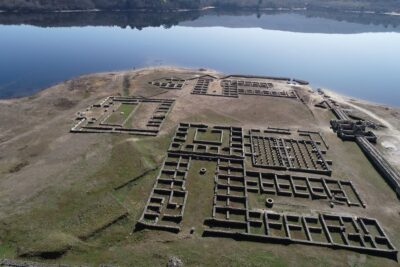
<point>208,136</point>
<point>200,196</point>
<point>75,198</point>
<point>121,114</point>
<point>86,208</point>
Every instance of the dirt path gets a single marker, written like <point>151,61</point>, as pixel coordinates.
<point>371,114</point>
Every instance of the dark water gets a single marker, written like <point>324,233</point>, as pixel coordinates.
<point>358,55</point>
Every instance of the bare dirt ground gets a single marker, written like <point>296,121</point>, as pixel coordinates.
<point>75,198</point>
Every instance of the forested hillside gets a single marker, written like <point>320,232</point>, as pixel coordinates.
<point>54,5</point>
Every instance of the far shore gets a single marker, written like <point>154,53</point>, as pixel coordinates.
<point>300,8</point>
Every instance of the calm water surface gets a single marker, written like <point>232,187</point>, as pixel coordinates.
<point>357,58</point>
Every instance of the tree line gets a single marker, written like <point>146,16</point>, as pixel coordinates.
<point>56,5</point>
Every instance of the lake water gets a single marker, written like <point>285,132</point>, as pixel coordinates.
<point>357,55</point>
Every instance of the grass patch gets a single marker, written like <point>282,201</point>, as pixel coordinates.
<point>50,244</point>
<point>212,117</point>
<point>128,159</point>
<point>208,136</point>
<point>54,229</point>
<point>200,194</point>
<point>126,84</point>
<point>7,250</point>
<point>254,258</point>
<point>94,217</point>
<point>121,114</point>
<point>89,206</point>
<point>257,200</point>
<point>18,166</point>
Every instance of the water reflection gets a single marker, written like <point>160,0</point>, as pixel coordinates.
<point>360,59</point>
<point>299,21</point>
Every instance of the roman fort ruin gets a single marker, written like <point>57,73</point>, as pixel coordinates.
<point>244,172</point>
<point>236,181</point>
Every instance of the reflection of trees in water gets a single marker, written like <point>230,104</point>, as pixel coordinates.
<point>137,20</point>
<point>140,20</point>
<point>360,18</point>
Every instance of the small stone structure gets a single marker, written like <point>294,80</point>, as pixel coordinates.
<point>202,86</point>
<point>284,153</point>
<point>241,87</point>
<point>229,88</point>
<point>166,205</point>
<point>169,83</point>
<point>108,117</point>
<point>241,76</point>
<point>337,191</point>
<point>228,145</point>
<point>360,234</point>
<point>174,262</point>
<point>269,202</point>
<point>315,136</point>
<point>333,106</point>
<point>203,171</point>
<point>322,105</point>
<point>233,86</point>
<point>348,130</point>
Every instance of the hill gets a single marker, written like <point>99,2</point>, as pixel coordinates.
<point>57,5</point>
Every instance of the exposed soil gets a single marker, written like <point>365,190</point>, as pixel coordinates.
<point>57,189</point>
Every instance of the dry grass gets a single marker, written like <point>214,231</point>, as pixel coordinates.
<point>63,204</point>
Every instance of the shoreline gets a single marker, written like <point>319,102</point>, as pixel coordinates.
<point>386,117</point>
<point>350,98</point>
<point>182,68</point>
<point>372,111</point>
<point>367,107</point>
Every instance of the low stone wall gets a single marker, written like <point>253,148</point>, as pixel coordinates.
<point>233,184</point>
<point>287,154</point>
<point>341,192</point>
<point>98,124</point>
<point>302,82</point>
<point>257,77</point>
<point>333,231</point>
<point>384,168</point>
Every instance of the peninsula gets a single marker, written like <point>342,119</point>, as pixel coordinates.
<point>167,165</point>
